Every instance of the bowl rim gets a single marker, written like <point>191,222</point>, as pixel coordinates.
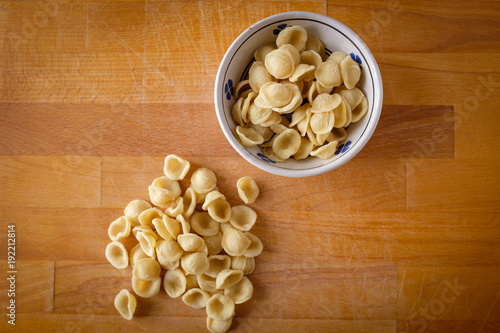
<point>368,130</point>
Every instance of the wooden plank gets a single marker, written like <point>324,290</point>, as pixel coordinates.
<point>463,295</point>
<point>403,131</point>
<point>454,185</point>
<point>50,181</point>
<point>74,322</point>
<point>434,28</point>
<point>33,285</point>
<point>122,129</point>
<point>127,178</point>
<point>331,294</point>
<point>59,233</point>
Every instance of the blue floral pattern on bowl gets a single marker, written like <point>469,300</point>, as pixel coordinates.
<point>265,159</point>
<point>343,148</point>
<point>279,28</point>
<point>229,89</point>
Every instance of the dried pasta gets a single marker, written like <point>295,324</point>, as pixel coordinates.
<point>220,307</point>
<point>120,228</point>
<point>241,291</point>
<point>117,255</point>
<point>174,282</point>
<point>197,244</point>
<point>295,76</point>
<point>125,303</point>
<point>248,190</point>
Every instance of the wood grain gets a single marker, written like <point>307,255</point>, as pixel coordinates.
<point>404,238</point>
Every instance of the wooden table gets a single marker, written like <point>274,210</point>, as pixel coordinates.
<point>404,238</point>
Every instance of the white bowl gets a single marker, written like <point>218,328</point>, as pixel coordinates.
<point>336,37</point>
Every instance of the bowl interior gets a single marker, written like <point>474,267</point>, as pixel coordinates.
<point>336,37</point>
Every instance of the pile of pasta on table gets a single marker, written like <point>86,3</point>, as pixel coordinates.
<point>201,254</point>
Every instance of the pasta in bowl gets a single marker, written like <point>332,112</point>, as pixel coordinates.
<point>298,94</point>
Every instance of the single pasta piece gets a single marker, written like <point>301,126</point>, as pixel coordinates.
<point>175,207</point>
<point>220,307</point>
<point>203,180</point>
<point>134,208</point>
<point>147,242</point>
<point>214,243</point>
<point>218,326</point>
<point>196,298</point>
<point>117,255</point>
<point>242,217</point>
<point>258,75</point>
<point>261,53</point>
<point>125,303</point>
<point>145,288</point>
<point>146,269</point>
<point>168,251</point>
<point>207,283</point>
<point>255,248</point>
<point>137,254</point>
<point>280,63</point>
<point>248,190</point>
<point>195,263</point>
<point>248,136</point>
<point>235,242</point>
<point>294,35</point>
<point>191,243</point>
<point>326,151</point>
<point>147,216</point>
<point>185,226</point>
<point>314,44</point>
<point>311,57</point>
<point>217,263</point>
<point>228,278</point>
<point>241,291</point>
<point>161,228</point>
<point>163,190</point>
<point>189,202</point>
<point>258,115</point>
<point>325,103</point>
<point>120,228</point>
<point>360,110</point>
<point>175,168</point>
<point>337,57</point>
<point>203,224</point>
<point>328,74</point>
<point>286,144</point>
<point>351,72</point>
<point>219,210</point>
<point>322,122</point>
<point>210,197</point>
<point>246,264</point>
<point>174,282</point>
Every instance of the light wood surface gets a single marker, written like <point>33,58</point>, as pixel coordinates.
<point>404,238</point>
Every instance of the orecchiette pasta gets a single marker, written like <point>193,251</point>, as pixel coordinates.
<point>203,224</point>
<point>134,208</point>
<point>117,255</point>
<point>146,269</point>
<point>146,288</point>
<point>196,298</point>
<point>234,242</point>
<point>217,263</point>
<point>214,243</point>
<point>120,228</point>
<point>284,73</point>
<point>163,190</point>
<point>242,217</point>
<point>218,326</point>
<point>195,263</point>
<point>228,278</point>
<point>196,243</point>
<point>203,180</point>
<point>241,291</point>
<point>174,282</point>
<point>125,303</point>
<point>220,307</point>
<point>175,168</point>
<point>248,190</point>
